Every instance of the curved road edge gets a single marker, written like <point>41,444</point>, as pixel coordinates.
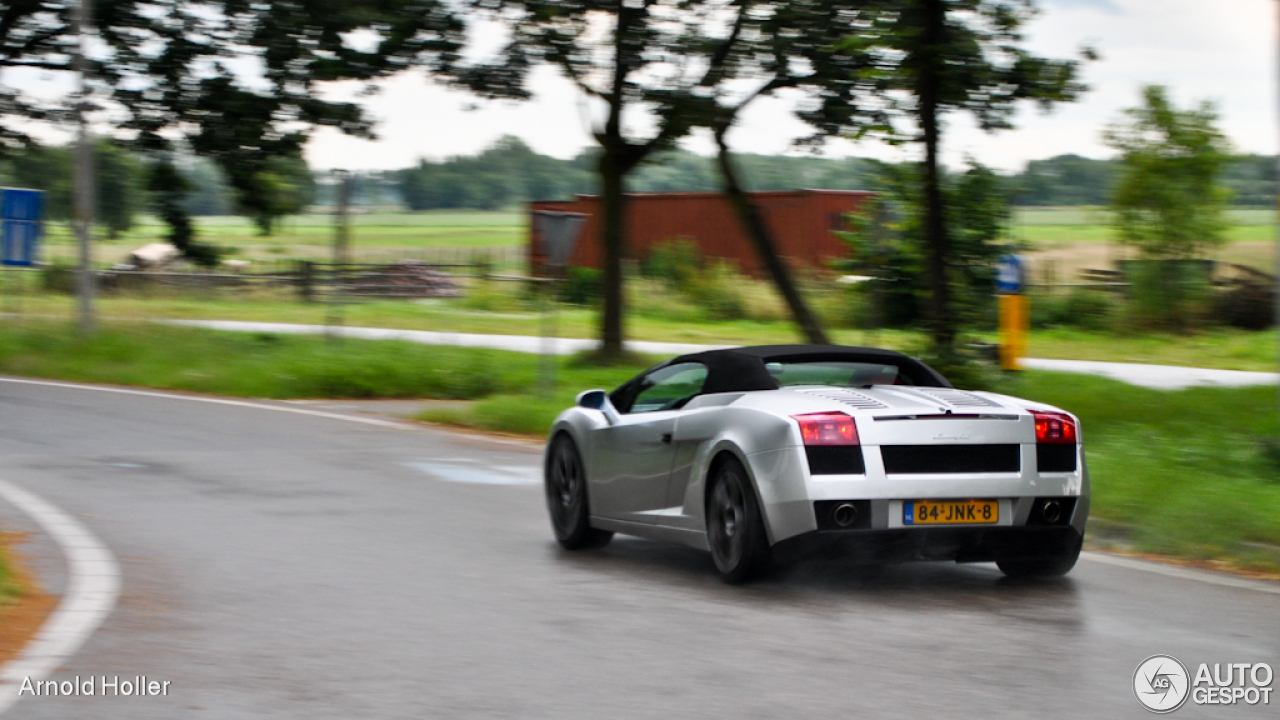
<point>92,588</point>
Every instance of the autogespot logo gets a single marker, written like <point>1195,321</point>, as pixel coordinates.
<point>1160,683</point>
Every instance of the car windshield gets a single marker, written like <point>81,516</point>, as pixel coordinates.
<point>838,373</point>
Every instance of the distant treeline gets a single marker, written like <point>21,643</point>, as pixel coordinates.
<point>1075,180</point>
<point>510,173</point>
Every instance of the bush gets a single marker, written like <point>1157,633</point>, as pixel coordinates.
<point>581,285</point>
<point>58,278</point>
<point>1247,305</point>
<point>717,289</point>
<point>1169,294</point>
<point>1081,308</point>
<point>677,261</point>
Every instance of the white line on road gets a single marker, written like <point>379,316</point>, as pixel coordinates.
<point>92,588</point>
<point>1181,573</point>
<point>217,401</point>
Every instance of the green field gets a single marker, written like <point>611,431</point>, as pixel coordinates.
<point>1073,235</point>
<point>375,236</point>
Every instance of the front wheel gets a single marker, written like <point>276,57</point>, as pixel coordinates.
<point>566,485</point>
<point>1055,565</point>
<point>735,531</point>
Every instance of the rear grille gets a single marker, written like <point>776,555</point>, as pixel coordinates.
<point>903,459</point>
<point>835,460</point>
<point>1056,458</point>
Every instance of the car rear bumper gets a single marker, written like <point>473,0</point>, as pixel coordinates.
<point>966,544</point>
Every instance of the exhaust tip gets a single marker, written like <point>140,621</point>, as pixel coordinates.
<point>844,515</point>
<point>1051,511</point>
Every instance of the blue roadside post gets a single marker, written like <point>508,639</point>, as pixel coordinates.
<point>1014,315</point>
<point>21,228</point>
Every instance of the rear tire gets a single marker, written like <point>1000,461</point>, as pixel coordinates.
<point>565,480</point>
<point>735,530</point>
<point>1046,566</point>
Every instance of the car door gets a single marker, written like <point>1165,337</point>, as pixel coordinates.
<point>632,458</point>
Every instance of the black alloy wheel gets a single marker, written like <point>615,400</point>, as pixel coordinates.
<point>566,485</point>
<point>735,531</point>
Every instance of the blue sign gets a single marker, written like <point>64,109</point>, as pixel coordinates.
<point>20,213</point>
<point>1010,275</point>
<point>25,205</point>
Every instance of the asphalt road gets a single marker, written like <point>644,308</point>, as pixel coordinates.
<point>277,565</point>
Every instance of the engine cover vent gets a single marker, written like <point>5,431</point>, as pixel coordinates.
<point>852,398</point>
<point>957,398</point>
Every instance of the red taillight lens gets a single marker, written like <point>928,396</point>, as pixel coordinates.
<point>827,429</point>
<point>1055,428</point>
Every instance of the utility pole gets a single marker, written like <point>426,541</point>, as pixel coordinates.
<point>342,225</point>
<point>341,251</point>
<point>82,22</point>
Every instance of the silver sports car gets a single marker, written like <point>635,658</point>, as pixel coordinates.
<point>761,454</point>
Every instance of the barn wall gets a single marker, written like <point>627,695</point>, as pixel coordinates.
<point>802,222</point>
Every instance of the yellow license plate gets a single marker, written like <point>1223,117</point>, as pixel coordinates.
<point>951,512</point>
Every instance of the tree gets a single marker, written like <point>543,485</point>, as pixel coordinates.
<point>119,179</point>
<point>1167,201</point>
<point>782,45</point>
<point>932,58</point>
<point>281,185</point>
<point>48,168</point>
<point>170,71</point>
<point>169,191</point>
<point>620,54</point>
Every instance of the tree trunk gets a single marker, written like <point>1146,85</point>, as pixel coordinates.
<point>612,236</point>
<point>765,248</point>
<point>942,323</point>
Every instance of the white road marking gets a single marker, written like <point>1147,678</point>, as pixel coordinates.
<point>1182,573</point>
<point>217,401</point>
<point>465,470</point>
<point>92,588</point>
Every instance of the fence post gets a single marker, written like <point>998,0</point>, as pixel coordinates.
<point>307,280</point>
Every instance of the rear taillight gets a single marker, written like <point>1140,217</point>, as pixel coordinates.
<point>1055,428</point>
<point>827,429</point>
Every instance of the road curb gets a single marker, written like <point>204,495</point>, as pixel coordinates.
<point>92,588</point>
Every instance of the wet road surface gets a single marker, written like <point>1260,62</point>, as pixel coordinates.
<point>277,565</point>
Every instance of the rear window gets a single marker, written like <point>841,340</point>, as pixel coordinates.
<point>837,373</point>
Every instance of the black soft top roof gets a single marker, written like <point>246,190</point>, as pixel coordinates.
<point>742,369</point>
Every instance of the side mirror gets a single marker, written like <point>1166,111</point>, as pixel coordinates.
<point>599,400</point>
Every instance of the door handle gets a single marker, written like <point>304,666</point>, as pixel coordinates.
<point>666,438</point>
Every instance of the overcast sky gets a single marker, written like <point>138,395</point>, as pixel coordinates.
<point>1218,50</point>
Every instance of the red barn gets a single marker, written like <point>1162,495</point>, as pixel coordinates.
<point>802,222</point>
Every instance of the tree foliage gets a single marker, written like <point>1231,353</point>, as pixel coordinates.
<point>235,81</point>
<point>1168,203</point>
<point>889,242</point>
<point>628,57</point>
<point>1167,200</point>
<point>931,58</point>
<point>169,191</point>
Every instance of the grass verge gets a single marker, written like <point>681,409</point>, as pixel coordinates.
<point>261,364</point>
<point>23,607</point>
<point>9,586</point>
<point>1188,471</point>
